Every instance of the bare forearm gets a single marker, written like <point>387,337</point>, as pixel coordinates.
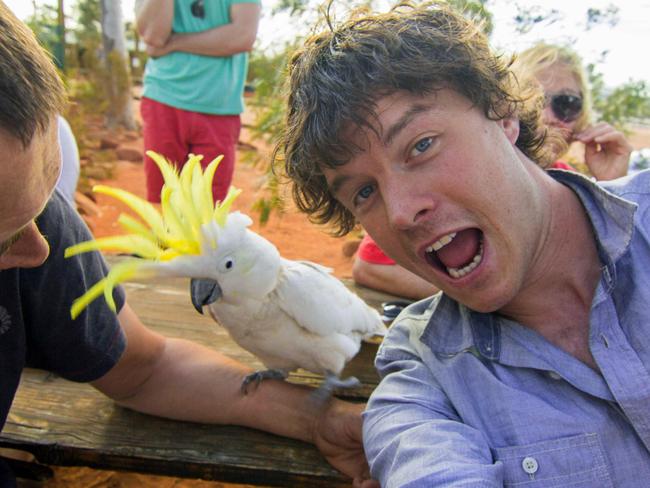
<point>392,279</point>
<point>225,40</point>
<point>191,382</point>
<point>183,380</point>
<point>154,21</point>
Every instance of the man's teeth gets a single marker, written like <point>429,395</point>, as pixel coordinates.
<point>456,272</point>
<point>459,273</point>
<point>442,242</point>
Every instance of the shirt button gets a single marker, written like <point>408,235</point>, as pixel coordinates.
<point>554,375</point>
<point>530,465</point>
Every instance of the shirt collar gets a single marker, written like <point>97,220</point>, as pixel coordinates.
<point>611,216</point>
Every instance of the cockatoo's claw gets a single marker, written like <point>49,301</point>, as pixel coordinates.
<point>325,390</point>
<point>351,382</point>
<point>258,376</point>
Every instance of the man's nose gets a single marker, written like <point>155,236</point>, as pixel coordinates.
<point>29,251</point>
<point>405,208</point>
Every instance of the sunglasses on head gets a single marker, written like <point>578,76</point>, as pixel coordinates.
<point>198,9</point>
<point>565,107</point>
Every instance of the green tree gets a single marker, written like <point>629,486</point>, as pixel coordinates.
<point>44,22</point>
<point>622,104</point>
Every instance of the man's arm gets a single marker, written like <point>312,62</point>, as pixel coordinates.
<point>154,21</point>
<point>391,278</point>
<point>225,40</point>
<point>183,380</point>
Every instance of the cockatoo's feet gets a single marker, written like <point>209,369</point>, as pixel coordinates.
<point>324,391</point>
<point>258,376</point>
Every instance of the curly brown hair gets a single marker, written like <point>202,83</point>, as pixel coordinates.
<point>337,76</point>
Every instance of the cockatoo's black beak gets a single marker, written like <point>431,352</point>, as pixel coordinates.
<point>204,292</point>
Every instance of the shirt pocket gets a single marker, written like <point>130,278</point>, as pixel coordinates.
<point>576,461</point>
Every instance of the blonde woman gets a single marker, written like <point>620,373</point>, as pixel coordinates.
<point>567,109</point>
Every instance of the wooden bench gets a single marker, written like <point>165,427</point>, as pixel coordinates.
<point>70,424</point>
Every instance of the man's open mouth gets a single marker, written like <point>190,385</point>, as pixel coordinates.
<point>458,253</point>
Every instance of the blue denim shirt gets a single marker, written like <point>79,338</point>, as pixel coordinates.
<point>477,400</point>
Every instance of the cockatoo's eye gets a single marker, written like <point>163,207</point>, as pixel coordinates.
<point>226,264</point>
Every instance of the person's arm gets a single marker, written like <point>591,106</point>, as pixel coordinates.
<point>412,434</point>
<point>391,278</point>
<point>179,379</point>
<point>607,151</point>
<point>154,21</point>
<point>225,40</point>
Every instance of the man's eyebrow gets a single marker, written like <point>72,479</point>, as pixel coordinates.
<point>393,130</point>
<point>6,245</point>
<point>403,121</point>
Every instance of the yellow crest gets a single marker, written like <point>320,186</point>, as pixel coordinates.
<point>186,204</point>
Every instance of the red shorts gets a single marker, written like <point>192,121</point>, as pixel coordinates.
<point>370,253</point>
<point>175,133</point>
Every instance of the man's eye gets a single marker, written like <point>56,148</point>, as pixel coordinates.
<point>363,194</point>
<point>421,146</point>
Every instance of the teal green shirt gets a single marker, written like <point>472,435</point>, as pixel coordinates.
<point>206,84</point>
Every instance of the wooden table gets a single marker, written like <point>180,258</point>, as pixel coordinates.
<point>70,424</point>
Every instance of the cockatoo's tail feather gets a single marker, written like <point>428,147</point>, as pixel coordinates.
<point>183,228</point>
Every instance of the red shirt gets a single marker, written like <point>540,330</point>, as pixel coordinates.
<point>369,252</point>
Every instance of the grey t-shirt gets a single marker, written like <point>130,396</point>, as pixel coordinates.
<point>35,325</point>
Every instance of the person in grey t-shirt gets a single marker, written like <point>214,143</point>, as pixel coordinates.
<point>122,358</point>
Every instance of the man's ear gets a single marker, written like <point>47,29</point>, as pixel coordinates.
<point>510,126</point>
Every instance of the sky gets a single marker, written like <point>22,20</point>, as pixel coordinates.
<point>625,44</point>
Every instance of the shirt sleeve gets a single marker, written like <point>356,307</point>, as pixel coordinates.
<point>412,434</point>
<point>83,349</point>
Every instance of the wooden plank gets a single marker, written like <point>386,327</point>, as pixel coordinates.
<point>71,424</point>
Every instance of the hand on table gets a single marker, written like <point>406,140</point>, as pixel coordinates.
<point>337,435</point>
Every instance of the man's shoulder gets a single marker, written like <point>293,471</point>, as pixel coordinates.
<point>60,223</point>
<point>438,323</point>
<point>634,186</point>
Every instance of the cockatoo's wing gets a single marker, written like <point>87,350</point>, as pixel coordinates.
<point>322,304</point>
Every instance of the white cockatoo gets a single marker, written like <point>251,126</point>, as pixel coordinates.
<point>290,314</point>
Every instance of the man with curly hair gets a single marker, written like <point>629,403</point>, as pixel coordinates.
<point>533,365</point>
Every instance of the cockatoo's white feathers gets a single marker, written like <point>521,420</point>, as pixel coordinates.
<point>290,314</point>
<point>322,304</point>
